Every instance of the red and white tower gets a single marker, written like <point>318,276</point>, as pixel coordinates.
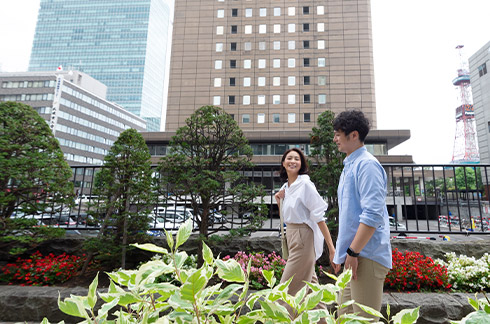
<point>465,148</point>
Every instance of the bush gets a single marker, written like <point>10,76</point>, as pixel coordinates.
<point>260,261</point>
<point>413,271</point>
<point>467,273</point>
<point>41,271</point>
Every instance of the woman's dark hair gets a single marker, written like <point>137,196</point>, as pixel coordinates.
<point>304,166</point>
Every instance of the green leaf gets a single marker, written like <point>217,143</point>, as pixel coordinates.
<point>274,311</point>
<point>312,300</point>
<point>92,292</point>
<point>107,307</point>
<point>151,248</point>
<point>72,306</point>
<point>344,278</point>
<point>478,317</point>
<point>195,283</point>
<point>226,293</point>
<point>207,254</point>
<point>230,270</point>
<point>406,316</point>
<point>180,258</point>
<point>370,310</point>
<point>183,234</point>
<point>388,310</point>
<point>170,239</point>
<point>269,276</point>
<point>474,303</point>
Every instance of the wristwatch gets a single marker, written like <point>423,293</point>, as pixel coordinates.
<point>352,253</point>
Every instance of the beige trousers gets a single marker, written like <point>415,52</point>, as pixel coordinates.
<point>367,289</point>
<point>301,260</point>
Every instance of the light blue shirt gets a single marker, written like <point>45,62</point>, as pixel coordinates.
<point>362,199</point>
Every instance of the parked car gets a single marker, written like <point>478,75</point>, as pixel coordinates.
<point>394,225</point>
<point>170,210</point>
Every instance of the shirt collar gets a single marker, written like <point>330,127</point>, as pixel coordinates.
<point>354,155</point>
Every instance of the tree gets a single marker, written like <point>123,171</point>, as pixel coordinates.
<point>33,176</point>
<point>124,185</point>
<point>326,162</point>
<point>206,157</point>
<point>468,177</point>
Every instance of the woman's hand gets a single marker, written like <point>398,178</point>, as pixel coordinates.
<point>280,195</point>
<point>335,267</point>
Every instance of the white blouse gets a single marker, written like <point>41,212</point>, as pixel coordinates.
<point>303,204</point>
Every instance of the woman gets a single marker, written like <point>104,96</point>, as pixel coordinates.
<point>303,210</point>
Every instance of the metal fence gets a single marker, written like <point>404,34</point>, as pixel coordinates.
<point>421,199</point>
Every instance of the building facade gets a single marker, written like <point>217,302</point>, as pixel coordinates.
<point>74,105</point>
<point>274,65</point>
<point>479,64</point>
<point>121,43</point>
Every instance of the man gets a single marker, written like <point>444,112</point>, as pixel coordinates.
<point>363,243</point>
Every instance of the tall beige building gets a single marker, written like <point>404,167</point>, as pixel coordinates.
<point>275,65</point>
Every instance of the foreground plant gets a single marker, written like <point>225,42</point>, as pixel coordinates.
<point>134,296</point>
<point>481,313</point>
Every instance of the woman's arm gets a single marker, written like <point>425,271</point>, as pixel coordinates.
<point>331,248</point>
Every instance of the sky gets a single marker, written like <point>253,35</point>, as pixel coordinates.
<point>415,61</point>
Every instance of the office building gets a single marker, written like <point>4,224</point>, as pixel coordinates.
<point>74,105</point>
<point>121,43</point>
<point>480,83</point>
<point>274,66</point>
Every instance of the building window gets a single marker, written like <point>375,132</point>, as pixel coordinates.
<point>261,99</point>
<point>277,45</point>
<point>246,82</point>
<point>246,118</point>
<point>320,10</point>
<point>246,100</point>
<point>232,64</point>
<point>247,64</point>
<point>263,12</point>
<point>218,64</point>
<point>306,80</point>
<point>277,11</point>
<point>219,47</point>
<point>261,81</point>
<point>276,63</point>
<point>248,29</point>
<point>248,12</point>
<point>221,13</point>
<point>307,117</point>
<point>261,63</point>
<point>320,27</point>
<point>248,46</point>
<point>217,82</point>
<point>482,69</point>
<point>262,29</point>
<point>234,29</point>
<point>321,44</point>
<point>219,30</point>
<point>322,80</point>
<point>291,28</point>
<point>260,118</point>
<point>321,62</point>
<point>306,27</point>
<point>261,46</point>
<point>306,44</point>
<point>216,100</point>
<point>291,62</point>
<point>291,11</point>
<point>291,80</point>
<point>276,99</point>
<point>322,99</point>
<point>232,116</point>
<point>291,118</point>
<point>277,28</point>
<point>306,10</point>
<point>232,82</point>
<point>276,118</point>
<point>233,46</point>
<point>234,12</point>
<point>306,98</point>
<point>306,62</point>
<point>291,99</point>
<point>231,100</point>
<point>276,81</point>
<point>291,45</point>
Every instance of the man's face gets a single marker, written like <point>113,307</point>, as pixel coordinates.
<point>343,141</point>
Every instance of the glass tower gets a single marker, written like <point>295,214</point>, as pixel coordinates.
<point>122,43</point>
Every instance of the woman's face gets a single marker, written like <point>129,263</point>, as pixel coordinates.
<point>292,163</point>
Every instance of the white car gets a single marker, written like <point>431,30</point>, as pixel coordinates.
<point>395,226</point>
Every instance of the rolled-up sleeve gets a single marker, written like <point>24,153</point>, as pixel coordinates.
<point>372,191</point>
<point>314,203</point>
